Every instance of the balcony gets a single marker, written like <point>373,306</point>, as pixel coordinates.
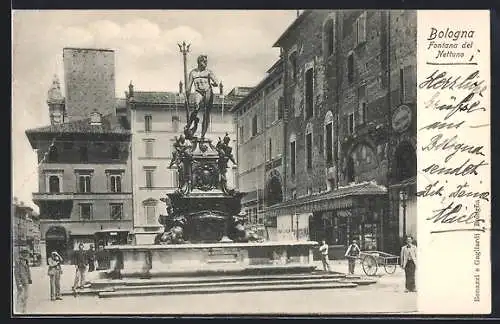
<point>62,196</point>
<point>51,196</point>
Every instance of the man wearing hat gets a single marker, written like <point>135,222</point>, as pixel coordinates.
<point>22,276</point>
<point>54,273</point>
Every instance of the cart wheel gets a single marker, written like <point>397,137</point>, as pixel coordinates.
<point>390,268</point>
<point>369,265</point>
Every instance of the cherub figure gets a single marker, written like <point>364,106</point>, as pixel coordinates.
<point>225,155</point>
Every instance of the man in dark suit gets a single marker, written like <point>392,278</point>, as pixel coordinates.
<point>22,275</point>
<point>409,263</point>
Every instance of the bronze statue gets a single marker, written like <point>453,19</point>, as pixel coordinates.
<point>203,80</point>
<point>182,147</point>
<point>174,234</point>
<point>225,155</point>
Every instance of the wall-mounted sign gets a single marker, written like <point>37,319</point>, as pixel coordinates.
<point>401,119</point>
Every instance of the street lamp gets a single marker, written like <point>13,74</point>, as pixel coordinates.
<point>403,197</point>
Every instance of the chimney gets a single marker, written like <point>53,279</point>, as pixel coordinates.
<point>89,76</point>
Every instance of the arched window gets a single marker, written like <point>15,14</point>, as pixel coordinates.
<point>54,186</point>
<point>329,147</point>
<point>406,162</point>
<point>329,36</point>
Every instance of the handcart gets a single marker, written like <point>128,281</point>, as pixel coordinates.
<point>371,260</point>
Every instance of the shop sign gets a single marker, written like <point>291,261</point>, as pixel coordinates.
<point>401,119</point>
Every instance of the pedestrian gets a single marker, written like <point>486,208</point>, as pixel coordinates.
<point>92,258</point>
<point>22,275</point>
<point>409,264</point>
<point>80,268</point>
<point>54,273</point>
<point>352,254</point>
<point>323,249</point>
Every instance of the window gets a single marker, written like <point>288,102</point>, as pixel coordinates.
<point>270,148</point>
<point>362,104</point>
<point>53,156</point>
<point>148,145</point>
<point>149,178</point>
<point>293,65</point>
<point>148,121</point>
<point>254,125</point>
<point>350,68</point>
<point>116,211</point>
<point>402,84</point>
<point>329,143</point>
<point>150,212</point>
<point>329,37</point>
<point>361,29</point>
<point>350,123</point>
<point>350,170</point>
<point>84,154</point>
<point>309,93</point>
<point>309,151</point>
<point>84,183</point>
<point>281,107</point>
<point>363,112</point>
<point>115,152</point>
<point>292,158</point>
<point>115,183</point>
<point>54,186</point>
<point>86,211</point>
<point>175,123</point>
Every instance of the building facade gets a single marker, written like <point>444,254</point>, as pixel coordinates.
<point>25,228</point>
<point>157,118</point>
<point>350,127</point>
<point>84,162</point>
<point>259,120</point>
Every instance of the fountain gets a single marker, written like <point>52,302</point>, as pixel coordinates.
<point>204,228</point>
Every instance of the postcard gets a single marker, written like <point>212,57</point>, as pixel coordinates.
<point>251,162</point>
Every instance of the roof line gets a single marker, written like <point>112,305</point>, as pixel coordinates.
<point>255,89</point>
<point>89,49</point>
<point>294,24</point>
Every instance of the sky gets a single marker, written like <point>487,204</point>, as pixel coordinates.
<point>238,45</point>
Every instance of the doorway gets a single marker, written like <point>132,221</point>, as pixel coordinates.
<point>56,240</point>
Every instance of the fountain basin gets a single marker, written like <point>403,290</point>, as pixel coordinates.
<point>184,259</point>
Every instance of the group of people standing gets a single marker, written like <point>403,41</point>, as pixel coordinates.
<point>408,260</point>
<point>83,260</point>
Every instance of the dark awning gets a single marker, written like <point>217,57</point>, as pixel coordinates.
<point>341,198</point>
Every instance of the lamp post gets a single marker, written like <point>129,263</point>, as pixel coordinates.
<point>403,197</point>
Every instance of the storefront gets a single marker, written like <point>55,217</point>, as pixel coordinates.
<point>351,212</point>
